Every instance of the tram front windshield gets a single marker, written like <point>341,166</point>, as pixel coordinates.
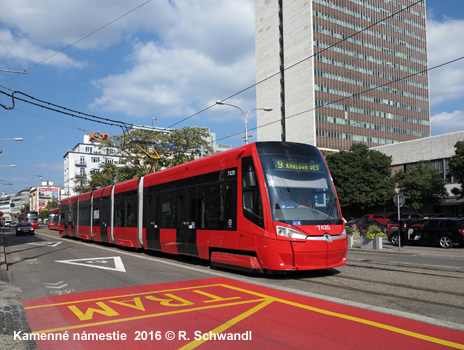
<point>32,217</point>
<point>300,190</point>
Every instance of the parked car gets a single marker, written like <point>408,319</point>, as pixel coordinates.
<point>444,232</point>
<point>393,225</point>
<point>24,227</point>
<point>377,217</point>
<point>8,223</point>
<point>403,216</point>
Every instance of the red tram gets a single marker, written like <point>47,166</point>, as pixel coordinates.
<point>265,206</point>
<point>54,219</point>
<point>29,216</point>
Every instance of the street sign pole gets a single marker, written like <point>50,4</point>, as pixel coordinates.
<point>399,202</point>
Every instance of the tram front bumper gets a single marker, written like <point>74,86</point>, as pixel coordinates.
<point>302,255</point>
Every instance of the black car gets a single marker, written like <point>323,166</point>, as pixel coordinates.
<point>24,227</point>
<point>444,232</point>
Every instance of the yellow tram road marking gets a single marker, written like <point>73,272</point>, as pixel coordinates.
<point>208,302</point>
<point>229,324</point>
<point>121,296</point>
<point>360,320</point>
<point>93,324</point>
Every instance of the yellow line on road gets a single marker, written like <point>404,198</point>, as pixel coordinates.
<point>85,325</point>
<point>359,320</point>
<point>228,324</point>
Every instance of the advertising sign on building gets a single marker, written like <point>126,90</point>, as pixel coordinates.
<point>47,194</point>
<point>97,136</point>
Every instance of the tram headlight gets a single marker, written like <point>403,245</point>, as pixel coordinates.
<point>290,233</point>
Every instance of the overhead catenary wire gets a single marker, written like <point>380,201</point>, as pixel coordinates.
<point>350,96</point>
<point>61,109</point>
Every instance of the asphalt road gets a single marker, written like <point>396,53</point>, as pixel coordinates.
<point>420,283</point>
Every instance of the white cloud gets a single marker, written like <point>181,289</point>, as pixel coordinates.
<point>49,166</point>
<point>25,52</point>
<point>443,123</point>
<point>207,54</point>
<point>177,55</point>
<point>36,31</point>
<point>170,82</point>
<point>61,23</point>
<point>447,82</point>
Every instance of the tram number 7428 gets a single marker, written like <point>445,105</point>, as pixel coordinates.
<point>265,206</point>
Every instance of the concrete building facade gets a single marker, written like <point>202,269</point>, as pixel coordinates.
<point>82,160</point>
<point>437,151</point>
<point>12,204</point>
<point>338,72</point>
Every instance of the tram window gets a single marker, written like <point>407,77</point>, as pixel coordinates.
<point>252,205</point>
<point>167,210</point>
<point>211,207</point>
<point>126,212</point>
<point>84,214</point>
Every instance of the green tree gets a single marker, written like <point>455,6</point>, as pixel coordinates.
<point>176,147</point>
<point>43,215</point>
<point>456,166</point>
<point>362,178</point>
<point>422,186</point>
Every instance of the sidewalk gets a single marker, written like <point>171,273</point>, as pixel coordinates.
<point>418,250</point>
<point>13,317</point>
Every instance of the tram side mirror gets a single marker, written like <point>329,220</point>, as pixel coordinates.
<point>250,179</point>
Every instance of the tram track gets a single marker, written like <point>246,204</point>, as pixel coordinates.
<point>400,285</point>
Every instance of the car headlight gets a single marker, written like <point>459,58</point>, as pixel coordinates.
<point>290,233</point>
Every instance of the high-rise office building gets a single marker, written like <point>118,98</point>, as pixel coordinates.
<point>338,72</point>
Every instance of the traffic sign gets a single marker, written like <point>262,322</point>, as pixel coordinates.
<point>399,199</point>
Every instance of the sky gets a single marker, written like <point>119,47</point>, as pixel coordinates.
<point>135,61</point>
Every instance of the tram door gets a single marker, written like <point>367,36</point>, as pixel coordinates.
<point>186,219</point>
<point>105,217</point>
<point>151,222</point>
<point>70,228</point>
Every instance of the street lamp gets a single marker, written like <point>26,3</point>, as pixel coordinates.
<point>13,139</point>
<point>244,115</point>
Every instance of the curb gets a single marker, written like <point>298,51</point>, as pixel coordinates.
<point>3,265</point>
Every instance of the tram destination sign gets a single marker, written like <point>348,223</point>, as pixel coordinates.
<point>294,165</point>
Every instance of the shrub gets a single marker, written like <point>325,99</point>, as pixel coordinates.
<point>373,231</point>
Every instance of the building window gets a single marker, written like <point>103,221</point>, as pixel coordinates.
<point>95,159</point>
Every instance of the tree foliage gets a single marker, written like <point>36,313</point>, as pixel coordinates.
<point>176,147</point>
<point>52,204</point>
<point>422,186</point>
<point>362,178</point>
<point>456,166</point>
